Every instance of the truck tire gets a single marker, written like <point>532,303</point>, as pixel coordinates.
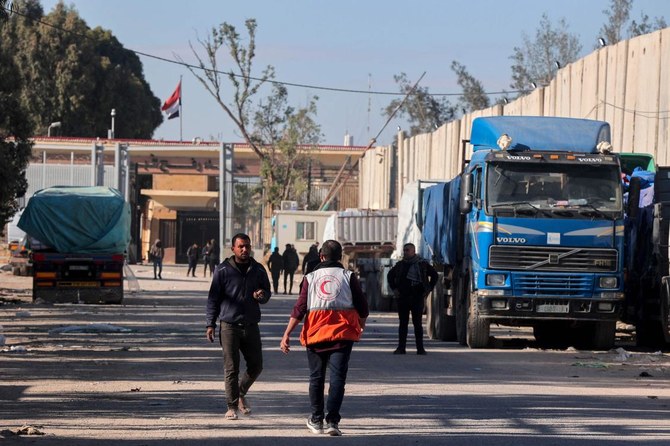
<point>440,326</point>
<point>479,329</point>
<point>460,311</point>
<point>603,335</point>
<point>656,333</point>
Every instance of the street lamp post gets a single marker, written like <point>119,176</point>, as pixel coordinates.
<point>111,131</point>
<point>52,126</point>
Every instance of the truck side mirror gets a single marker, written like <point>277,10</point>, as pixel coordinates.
<point>465,202</point>
<point>633,204</point>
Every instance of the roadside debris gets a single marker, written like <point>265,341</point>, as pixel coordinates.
<point>90,328</point>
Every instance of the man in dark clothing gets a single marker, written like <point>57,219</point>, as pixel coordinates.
<point>214,253</point>
<point>411,279</point>
<point>310,260</point>
<point>276,265</point>
<point>291,262</point>
<point>192,253</point>
<point>335,311</point>
<point>239,285</point>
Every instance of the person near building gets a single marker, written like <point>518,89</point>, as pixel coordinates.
<point>156,253</point>
<point>192,253</point>
<point>239,285</point>
<point>311,259</point>
<point>335,310</point>
<point>276,265</point>
<point>214,255</point>
<point>411,279</point>
<point>205,257</point>
<point>291,262</point>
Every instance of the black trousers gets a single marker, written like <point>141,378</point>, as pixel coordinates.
<point>236,339</point>
<point>410,301</point>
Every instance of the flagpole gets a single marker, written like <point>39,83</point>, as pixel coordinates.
<point>180,113</point>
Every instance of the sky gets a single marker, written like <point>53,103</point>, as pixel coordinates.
<point>343,44</point>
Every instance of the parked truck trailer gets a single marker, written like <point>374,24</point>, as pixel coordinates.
<point>78,238</point>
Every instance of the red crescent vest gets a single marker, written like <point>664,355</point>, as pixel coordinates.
<point>331,315</point>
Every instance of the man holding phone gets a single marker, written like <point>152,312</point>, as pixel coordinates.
<point>239,285</point>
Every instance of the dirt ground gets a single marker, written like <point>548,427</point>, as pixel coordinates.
<point>142,373</point>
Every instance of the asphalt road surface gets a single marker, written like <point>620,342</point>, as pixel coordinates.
<point>143,374</point>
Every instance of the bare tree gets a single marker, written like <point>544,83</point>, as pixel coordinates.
<point>424,112</point>
<point>268,126</point>
<point>618,19</point>
<point>474,97</point>
<point>617,16</point>
<point>536,61</point>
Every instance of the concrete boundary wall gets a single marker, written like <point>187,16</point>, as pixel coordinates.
<point>627,85</point>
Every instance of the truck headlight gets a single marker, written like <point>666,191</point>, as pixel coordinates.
<point>608,282</point>
<point>495,279</point>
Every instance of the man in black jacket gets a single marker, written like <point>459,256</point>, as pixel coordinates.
<point>239,285</point>
<point>411,279</point>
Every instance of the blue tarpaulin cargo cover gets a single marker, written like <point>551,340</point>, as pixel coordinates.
<point>540,133</point>
<point>441,217</point>
<point>78,220</point>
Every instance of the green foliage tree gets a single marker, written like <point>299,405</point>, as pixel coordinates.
<point>15,132</point>
<point>535,60</point>
<point>76,75</point>
<point>474,96</point>
<point>279,134</point>
<point>423,112</point>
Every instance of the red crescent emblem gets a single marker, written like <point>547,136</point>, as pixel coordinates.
<point>327,287</point>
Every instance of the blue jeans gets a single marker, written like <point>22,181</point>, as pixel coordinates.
<point>337,361</point>
<point>247,340</point>
<point>158,266</point>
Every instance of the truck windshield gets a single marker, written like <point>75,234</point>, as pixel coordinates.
<point>565,189</point>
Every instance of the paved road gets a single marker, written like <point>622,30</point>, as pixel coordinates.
<point>161,383</point>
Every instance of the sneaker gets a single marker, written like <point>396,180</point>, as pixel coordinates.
<point>421,352</point>
<point>333,429</point>
<point>399,351</point>
<point>315,426</point>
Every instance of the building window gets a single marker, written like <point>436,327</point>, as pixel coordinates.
<point>305,230</point>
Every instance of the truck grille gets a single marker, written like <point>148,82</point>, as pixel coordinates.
<point>563,285</point>
<point>543,258</point>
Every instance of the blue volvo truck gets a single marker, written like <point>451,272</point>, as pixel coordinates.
<point>531,233</point>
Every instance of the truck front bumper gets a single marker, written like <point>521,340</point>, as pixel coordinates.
<point>508,307</point>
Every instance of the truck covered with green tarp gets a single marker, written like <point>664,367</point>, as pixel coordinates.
<point>78,238</point>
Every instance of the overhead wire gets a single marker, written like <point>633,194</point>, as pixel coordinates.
<point>286,83</point>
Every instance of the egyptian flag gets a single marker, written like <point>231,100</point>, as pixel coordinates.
<point>171,105</point>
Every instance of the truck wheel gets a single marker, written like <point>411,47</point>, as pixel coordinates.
<point>440,326</point>
<point>460,312</point>
<point>604,334</point>
<point>435,313</point>
<point>479,329</point>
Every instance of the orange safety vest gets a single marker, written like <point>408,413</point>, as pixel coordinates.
<point>331,315</point>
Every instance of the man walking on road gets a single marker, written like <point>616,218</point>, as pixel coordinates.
<point>336,310</point>
<point>291,262</point>
<point>276,265</point>
<point>239,285</point>
<point>411,279</point>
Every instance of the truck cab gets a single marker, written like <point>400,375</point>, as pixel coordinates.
<point>543,232</point>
